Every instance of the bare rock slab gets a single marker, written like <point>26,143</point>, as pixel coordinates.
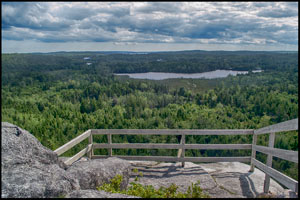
<point>164,174</point>
<point>94,173</point>
<point>218,180</point>
<point>96,194</point>
<point>236,179</point>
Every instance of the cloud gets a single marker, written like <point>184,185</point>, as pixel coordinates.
<point>154,7</point>
<point>31,15</point>
<point>152,22</point>
<point>75,13</point>
<point>278,13</point>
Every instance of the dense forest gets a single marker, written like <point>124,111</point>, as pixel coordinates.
<point>57,96</point>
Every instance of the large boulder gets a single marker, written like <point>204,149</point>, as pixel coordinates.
<point>20,147</point>
<point>96,194</point>
<point>93,173</point>
<point>29,169</point>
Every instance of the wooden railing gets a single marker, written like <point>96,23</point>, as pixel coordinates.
<point>267,169</point>
<point>280,153</point>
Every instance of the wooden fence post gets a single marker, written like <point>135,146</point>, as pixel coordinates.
<point>109,142</point>
<point>253,155</point>
<point>91,152</point>
<point>183,149</point>
<point>269,163</point>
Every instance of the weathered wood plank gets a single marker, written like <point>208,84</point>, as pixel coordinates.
<point>179,153</point>
<point>137,146</point>
<point>217,146</point>
<point>79,155</point>
<point>280,127</point>
<point>280,153</point>
<point>173,131</point>
<point>90,154</point>
<point>269,162</point>
<point>253,153</point>
<point>183,149</point>
<point>181,159</point>
<point>179,150</point>
<point>171,146</point>
<point>282,178</point>
<point>72,143</point>
<point>109,143</point>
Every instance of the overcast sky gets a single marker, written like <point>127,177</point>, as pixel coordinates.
<point>148,26</point>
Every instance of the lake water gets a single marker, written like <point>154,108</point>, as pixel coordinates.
<point>206,75</point>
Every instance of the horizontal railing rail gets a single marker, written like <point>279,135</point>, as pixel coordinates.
<point>72,143</point>
<point>279,153</point>
<point>266,168</point>
<point>280,127</point>
<point>280,177</point>
<point>181,159</point>
<point>173,131</point>
<point>171,146</point>
<point>289,155</point>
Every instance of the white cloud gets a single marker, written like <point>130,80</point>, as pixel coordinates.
<point>152,22</point>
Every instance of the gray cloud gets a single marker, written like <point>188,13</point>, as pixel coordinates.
<point>156,22</point>
<point>30,15</point>
<point>166,7</point>
<point>75,13</point>
<point>278,13</point>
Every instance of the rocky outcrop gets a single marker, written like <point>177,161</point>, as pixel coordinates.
<point>30,170</point>
<point>18,147</point>
<point>94,173</point>
<point>96,194</point>
<point>218,180</point>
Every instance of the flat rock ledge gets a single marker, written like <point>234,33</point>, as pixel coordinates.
<point>218,180</point>
<point>96,194</point>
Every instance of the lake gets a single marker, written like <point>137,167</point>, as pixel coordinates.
<point>206,75</point>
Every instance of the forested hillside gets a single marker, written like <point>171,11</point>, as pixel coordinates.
<point>58,96</point>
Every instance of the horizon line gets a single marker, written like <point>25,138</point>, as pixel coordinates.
<point>151,51</point>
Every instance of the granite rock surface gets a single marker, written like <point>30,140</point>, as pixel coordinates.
<point>30,170</point>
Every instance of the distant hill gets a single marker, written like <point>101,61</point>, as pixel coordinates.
<point>154,52</point>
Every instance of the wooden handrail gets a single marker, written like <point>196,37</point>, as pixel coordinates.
<point>280,153</point>
<point>290,125</point>
<point>280,177</point>
<point>173,131</point>
<point>269,171</point>
<point>79,154</point>
<point>181,159</point>
<point>72,143</point>
<point>170,146</point>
